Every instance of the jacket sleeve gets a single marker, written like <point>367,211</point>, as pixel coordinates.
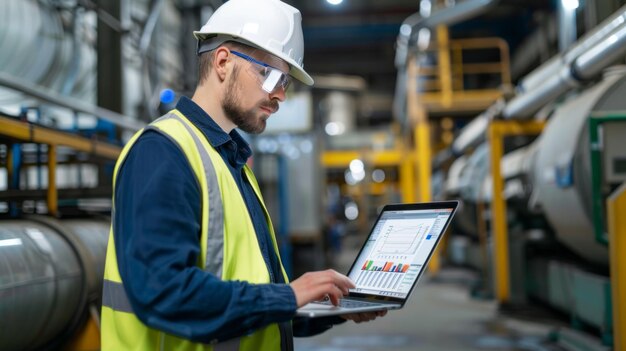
<point>157,241</point>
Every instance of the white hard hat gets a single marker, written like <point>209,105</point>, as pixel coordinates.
<point>270,25</point>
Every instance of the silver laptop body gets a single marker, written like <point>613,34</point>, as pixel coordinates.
<point>392,259</point>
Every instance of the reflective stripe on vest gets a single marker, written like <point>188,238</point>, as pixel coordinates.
<point>114,295</point>
<point>115,300</point>
<point>215,242</point>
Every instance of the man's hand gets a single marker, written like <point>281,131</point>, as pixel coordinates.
<point>364,316</point>
<point>314,286</point>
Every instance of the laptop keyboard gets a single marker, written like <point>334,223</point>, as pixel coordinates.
<point>349,303</point>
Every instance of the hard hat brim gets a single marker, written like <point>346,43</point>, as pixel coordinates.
<point>294,69</point>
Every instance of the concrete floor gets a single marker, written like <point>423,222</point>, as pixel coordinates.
<point>440,315</point>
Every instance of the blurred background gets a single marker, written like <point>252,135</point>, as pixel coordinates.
<point>514,107</point>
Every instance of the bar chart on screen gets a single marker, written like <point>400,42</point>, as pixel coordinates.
<point>385,275</point>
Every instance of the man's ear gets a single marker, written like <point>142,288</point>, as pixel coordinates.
<point>220,62</point>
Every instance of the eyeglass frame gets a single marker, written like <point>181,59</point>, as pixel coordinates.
<point>282,82</point>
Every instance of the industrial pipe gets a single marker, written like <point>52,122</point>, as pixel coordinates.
<point>588,57</point>
<point>598,34</point>
<point>593,61</point>
<point>69,102</point>
<point>584,60</point>
<point>50,271</point>
<point>474,132</point>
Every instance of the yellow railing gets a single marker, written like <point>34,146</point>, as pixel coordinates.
<point>446,82</point>
<point>31,133</point>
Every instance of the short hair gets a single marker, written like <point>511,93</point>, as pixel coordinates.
<point>205,60</point>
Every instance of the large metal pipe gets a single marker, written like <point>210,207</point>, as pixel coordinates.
<point>599,33</point>
<point>473,133</point>
<point>43,61</point>
<point>584,60</point>
<point>524,105</point>
<point>561,172</point>
<point>606,52</point>
<point>567,24</point>
<point>41,52</point>
<point>586,66</point>
<point>50,271</point>
<point>69,102</point>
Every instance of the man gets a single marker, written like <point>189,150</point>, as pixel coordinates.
<point>192,261</point>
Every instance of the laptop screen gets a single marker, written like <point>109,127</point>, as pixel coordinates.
<point>397,251</point>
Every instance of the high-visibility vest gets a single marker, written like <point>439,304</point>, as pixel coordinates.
<point>229,248</point>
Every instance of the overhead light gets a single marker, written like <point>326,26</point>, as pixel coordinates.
<point>351,211</point>
<point>570,4</point>
<point>378,176</point>
<point>334,128</point>
<point>357,166</point>
<point>334,2</point>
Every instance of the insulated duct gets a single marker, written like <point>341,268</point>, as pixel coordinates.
<point>44,52</point>
<point>474,133</point>
<point>598,34</point>
<point>561,168</point>
<point>50,272</point>
<point>585,60</point>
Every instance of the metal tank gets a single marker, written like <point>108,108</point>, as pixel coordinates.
<point>465,181</point>
<point>561,170</point>
<point>469,178</point>
<point>42,49</point>
<point>50,271</point>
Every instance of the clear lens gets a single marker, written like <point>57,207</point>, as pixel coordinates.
<point>274,78</point>
<point>270,77</point>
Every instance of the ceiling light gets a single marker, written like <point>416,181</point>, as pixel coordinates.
<point>570,4</point>
<point>334,2</point>
<point>357,166</point>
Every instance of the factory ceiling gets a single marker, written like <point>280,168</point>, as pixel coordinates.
<point>357,37</point>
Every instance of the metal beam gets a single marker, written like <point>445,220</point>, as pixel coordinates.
<point>497,131</point>
<point>52,194</point>
<point>29,132</point>
<point>71,103</point>
<point>616,205</point>
<point>342,159</point>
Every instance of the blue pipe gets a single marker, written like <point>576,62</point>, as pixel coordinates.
<point>14,182</point>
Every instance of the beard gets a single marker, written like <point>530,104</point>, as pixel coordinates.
<point>246,120</point>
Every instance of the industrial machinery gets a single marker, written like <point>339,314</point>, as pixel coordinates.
<point>50,279</point>
<point>538,227</point>
<point>61,130</point>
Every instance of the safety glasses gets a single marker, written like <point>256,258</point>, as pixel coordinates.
<point>271,77</point>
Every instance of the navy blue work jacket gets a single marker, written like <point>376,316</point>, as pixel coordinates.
<point>157,240</point>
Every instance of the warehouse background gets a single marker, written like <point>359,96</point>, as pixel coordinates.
<point>514,107</point>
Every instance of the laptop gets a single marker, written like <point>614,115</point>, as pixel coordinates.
<point>392,259</point>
